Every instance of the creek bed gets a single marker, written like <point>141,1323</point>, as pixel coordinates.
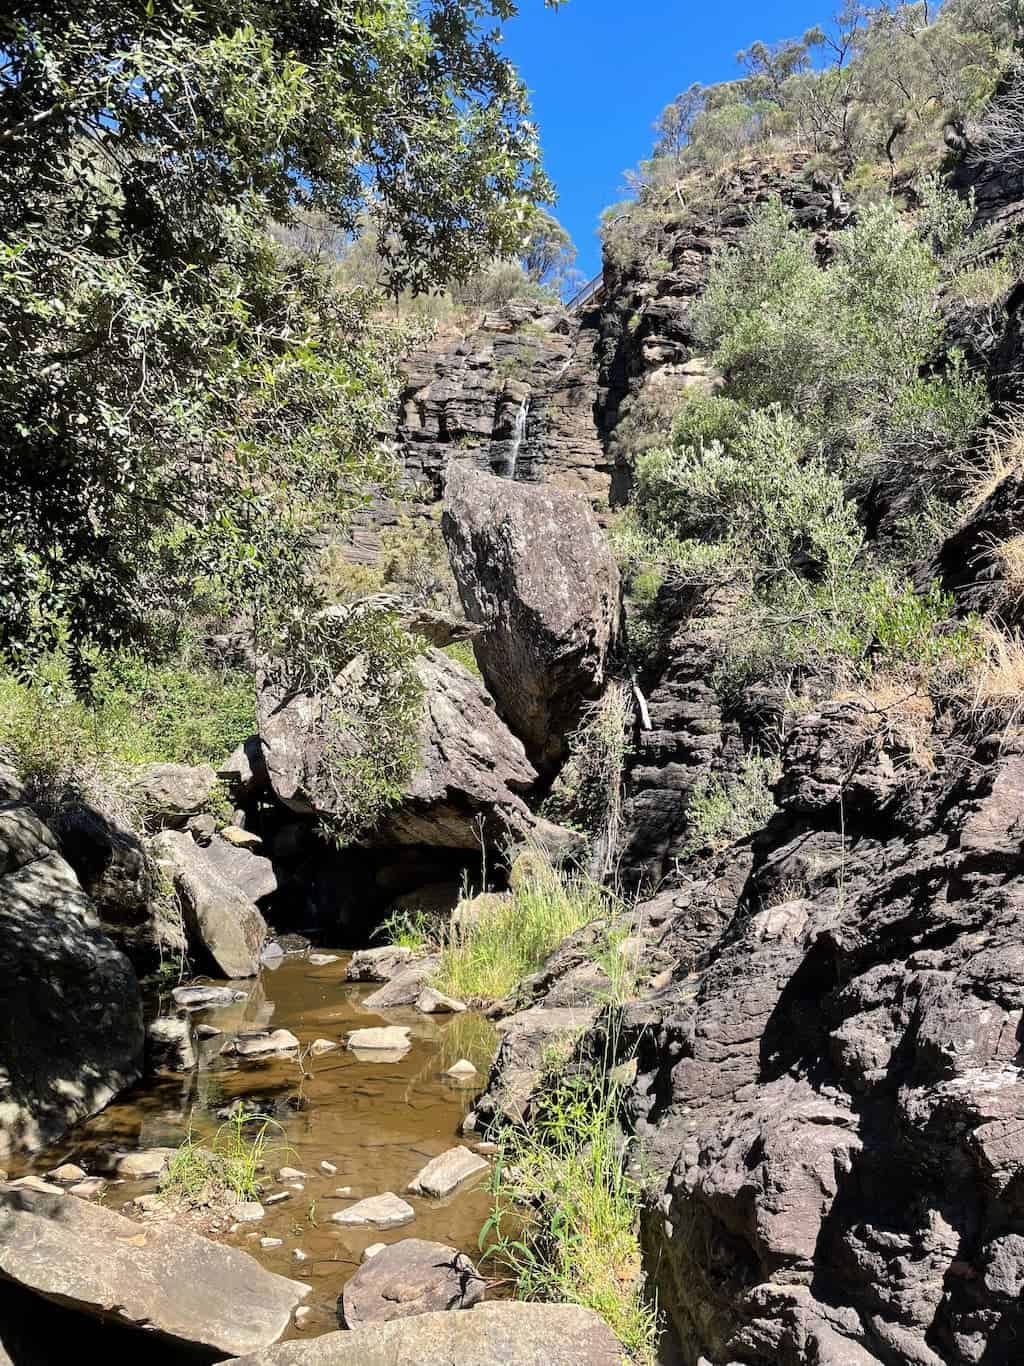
<point>377,1122</point>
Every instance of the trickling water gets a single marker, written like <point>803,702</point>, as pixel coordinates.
<point>518,437</point>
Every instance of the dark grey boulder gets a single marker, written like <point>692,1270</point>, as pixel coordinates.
<point>410,1277</point>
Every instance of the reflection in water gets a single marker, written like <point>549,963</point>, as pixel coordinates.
<point>377,1122</point>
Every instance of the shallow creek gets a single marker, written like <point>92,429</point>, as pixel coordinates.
<point>378,1122</point>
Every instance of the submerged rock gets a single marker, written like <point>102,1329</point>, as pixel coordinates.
<point>550,629</point>
<point>443,1174</point>
<point>386,1039</point>
<point>499,1334</point>
<point>206,998</point>
<point>167,1280</point>
<point>71,1032</point>
<point>381,1211</point>
<point>223,923</point>
<point>410,1277</point>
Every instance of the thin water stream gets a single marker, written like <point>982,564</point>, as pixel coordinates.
<point>377,1122</point>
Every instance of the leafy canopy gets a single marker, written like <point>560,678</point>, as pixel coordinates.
<point>181,398</point>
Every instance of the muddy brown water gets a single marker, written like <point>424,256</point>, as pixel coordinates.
<point>378,1122</point>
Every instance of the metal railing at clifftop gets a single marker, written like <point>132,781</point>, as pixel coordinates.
<point>589,291</point>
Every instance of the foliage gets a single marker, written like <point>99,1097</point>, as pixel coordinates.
<point>588,793</point>
<point>719,813</point>
<point>566,1218</point>
<point>415,930</point>
<point>548,254</point>
<point>181,399</point>
<point>412,562</point>
<point>229,1165</point>
<point>485,961</point>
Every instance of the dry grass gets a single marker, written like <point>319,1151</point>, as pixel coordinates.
<point>905,717</point>
<point>998,685</point>
<point>1003,455</point>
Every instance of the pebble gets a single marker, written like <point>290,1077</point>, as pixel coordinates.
<point>486,1149</point>
<point>329,1168</point>
<point>290,1174</point>
<point>298,1255</point>
<point>67,1173</point>
<point>302,1315</point>
<point>268,1243</point>
<point>247,1212</point>
<point>320,960</point>
<point>343,1191</point>
<point>320,1046</point>
<point>388,1039</point>
<point>277,1197</point>
<point>463,1068</point>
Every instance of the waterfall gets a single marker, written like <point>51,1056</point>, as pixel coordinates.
<point>518,437</point>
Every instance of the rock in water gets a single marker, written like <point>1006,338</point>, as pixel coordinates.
<point>71,1032</point>
<point>410,1277</point>
<point>378,964</point>
<point>549,629</point>
<point>442,1174</point>
<point>499,1334</point>
<point>167,1280</point>
<point>222,922</point>
<point>382,1211</point>
<point>170,1044</point>
<point>387,1039</point>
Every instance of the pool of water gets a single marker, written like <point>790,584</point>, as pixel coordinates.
<point>378,1122</point>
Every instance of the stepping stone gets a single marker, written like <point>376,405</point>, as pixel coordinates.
<point>66,1174</point>
<point>462,1068</point>
<point>320,960</point>
<point>263,1045</point>
<point>382,1211</point>
<point>204,998</point>
<point>387,1039</point>
<point>320,1046</point>
<point>89,1188</point>
<point>431,1002</point>
<point>442,1174</point>
<point>248,1212</point>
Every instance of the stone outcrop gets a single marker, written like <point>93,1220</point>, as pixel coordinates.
<point>500,1334</point>
<point>159,1278</point>
<point>410,1277</point>
<point>171,793</point>
<point>223,925</point>
<point>472,770</point>
<point>536,571</point>
<point>71,1031</point>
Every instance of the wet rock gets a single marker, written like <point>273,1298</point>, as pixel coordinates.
<point>462,1068</point>
<point>263,1045</point>
<point>267,1243</point>
<point>329,1168</point>
<point>548,637</point>
<point>443,1174</point>
<point>321,1046</point>
<point>432,1002</point>
<point>247,1212</point>
<point>174,1283</point>
<point>378,964</point>
<point>169,1044</point>
<point>320,960</point>
<point>500,1334</point>
<point>290,1174</point>
<point>66,1174</point>
<point>222,922</point>
<point>206,998</point>
<point>410,1277</point>
<point>405,986</point>
<point>242,867</point>
<point>171,793</point>
<point>88,1189</point>
<point>387,1039</point>
<point>143,1165</point>
<point>380,1211</point>
<point>71,1032</point>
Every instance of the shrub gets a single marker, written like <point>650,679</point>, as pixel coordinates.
<point>487,960</point>
<point>566,1218</point>
<point>229,1165</point>
<point>588,793</point>
<point>721,813</point>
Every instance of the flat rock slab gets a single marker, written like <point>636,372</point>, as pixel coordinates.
<point>206,998</point>
<point>442,1174</point>
<point>405,987</point>
<point>167,1280</point>
<point>382,1211</point>
<point>410,1277</point>
<point>499,1334</point>
<point>265,1045</point>
<point>386,1039</point>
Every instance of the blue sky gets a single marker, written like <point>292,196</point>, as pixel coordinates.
<point>601,71</point>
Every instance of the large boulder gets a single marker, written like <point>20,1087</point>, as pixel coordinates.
<point>171,793</point>
<point>551,623</point>
<point>499,1334</point>
<point>471,768</point>
<point>71,1031</point>
<point>223,924</point>
<point>410,1277</point>
<point>243,867</point>
<point>167,1280</point>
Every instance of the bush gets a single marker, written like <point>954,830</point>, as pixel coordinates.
<point>588,792</point>
<point>720,813</point>
<point>566,1216</point>
<point>486,961</point>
